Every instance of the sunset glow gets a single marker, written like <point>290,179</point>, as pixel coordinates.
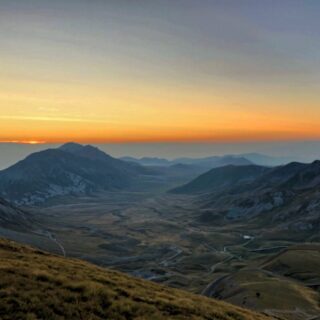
<point>113,73</point>
<point>23,142</point>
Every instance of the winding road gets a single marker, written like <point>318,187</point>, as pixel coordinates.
<point>51,237</point>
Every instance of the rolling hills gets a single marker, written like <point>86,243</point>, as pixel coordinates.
<point>286,285</point>
<point>206,162</point>
<point>78,290</point>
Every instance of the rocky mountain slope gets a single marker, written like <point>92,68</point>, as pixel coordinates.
<point>14,218</point>
<point>284,198</point>
<point>295,176</point>
<point>70,170</point>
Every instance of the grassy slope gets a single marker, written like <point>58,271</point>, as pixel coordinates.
<point>266,292</point>
<point>38,285</point>
<point>286,285</point>
<point>300,262</point>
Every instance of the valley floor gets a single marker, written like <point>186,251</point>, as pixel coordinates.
<point>167,239</point>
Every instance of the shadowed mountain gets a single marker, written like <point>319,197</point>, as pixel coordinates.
<point>294,175</point>
<point>285,197</point>
<point>78,290</point>
<point>220,178</point>
<point>70,170</point>
<point>14,218</point>
<point>306,178</point>
<point>24,226</point>
<point>281,174</point>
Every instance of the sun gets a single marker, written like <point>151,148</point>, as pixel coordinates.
<point>23,141</point>
<point>33,142</point>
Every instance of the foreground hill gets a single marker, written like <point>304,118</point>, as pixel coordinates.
<point>72,169</point>
<point>78,290</point>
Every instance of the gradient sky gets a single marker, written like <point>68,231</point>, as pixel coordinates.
<point>159,70</point>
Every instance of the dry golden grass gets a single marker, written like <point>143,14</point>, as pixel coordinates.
<point>38,285</point>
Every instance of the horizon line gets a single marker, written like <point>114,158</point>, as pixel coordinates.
<point>39,142</point>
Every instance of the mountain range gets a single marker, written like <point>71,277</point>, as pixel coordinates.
<point>77,170</point>
<point>208,162</point>
<point>215,161</point>
<point>288,194</point>
<point>295,175</point>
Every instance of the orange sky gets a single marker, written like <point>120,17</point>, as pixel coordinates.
<point>101,72</point>
<point>136,112</point>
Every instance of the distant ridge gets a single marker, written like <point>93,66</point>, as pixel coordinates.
<point>216,161</point>
<point>207,162</point>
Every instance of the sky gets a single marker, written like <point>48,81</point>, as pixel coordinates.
<point>102,71</point>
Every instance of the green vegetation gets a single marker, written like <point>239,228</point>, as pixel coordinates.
<point>38,285</point>
<point>285,285</point>
<point>301,263</point>
<point>261,290</point>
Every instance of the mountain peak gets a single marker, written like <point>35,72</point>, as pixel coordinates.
<point>87,151</point>
<point>316,162</point>
<point>71,147</point>
<point>72,169</point>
